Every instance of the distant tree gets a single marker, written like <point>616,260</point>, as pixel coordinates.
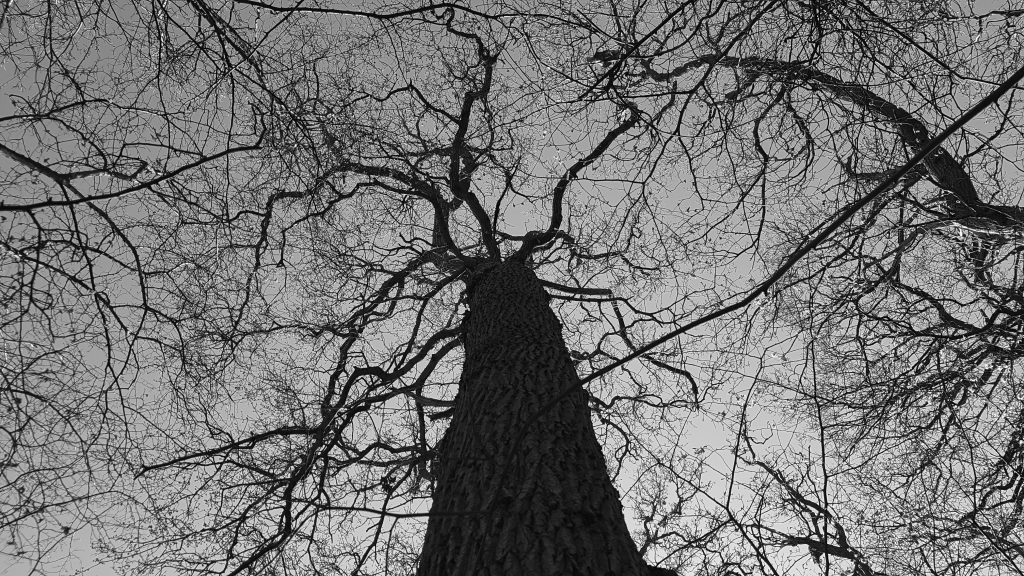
<point>370,288</point>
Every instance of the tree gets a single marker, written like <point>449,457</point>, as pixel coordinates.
<point>521,481</point>
<point>374,288</point>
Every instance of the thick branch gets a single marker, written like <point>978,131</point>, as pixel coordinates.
<point>961,202</point>
<point>460,172</point>
<point>535,239</point>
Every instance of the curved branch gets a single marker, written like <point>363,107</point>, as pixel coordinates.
<point>461,169</point>
<point>534,239</point>
<point>826,232</point>
<point>962,200</point>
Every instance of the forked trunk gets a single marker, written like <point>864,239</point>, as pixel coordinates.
<point>522,488</point>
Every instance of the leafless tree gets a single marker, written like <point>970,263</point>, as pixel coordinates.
<point>439,288</point>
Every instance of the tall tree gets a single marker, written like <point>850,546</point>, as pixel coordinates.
<point>521,482</point>
<point>369,287</point>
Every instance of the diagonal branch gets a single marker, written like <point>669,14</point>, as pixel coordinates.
<point>962,200</point>
<point>535,239</point>
<point>826,230</point>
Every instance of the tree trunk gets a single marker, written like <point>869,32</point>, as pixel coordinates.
<point>522,488</point>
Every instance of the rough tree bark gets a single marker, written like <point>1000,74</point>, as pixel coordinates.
<point>522,487</point>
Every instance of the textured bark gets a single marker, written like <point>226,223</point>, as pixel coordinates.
<point>522,487</point>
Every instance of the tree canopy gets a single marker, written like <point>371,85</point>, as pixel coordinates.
<point>236,241</point>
